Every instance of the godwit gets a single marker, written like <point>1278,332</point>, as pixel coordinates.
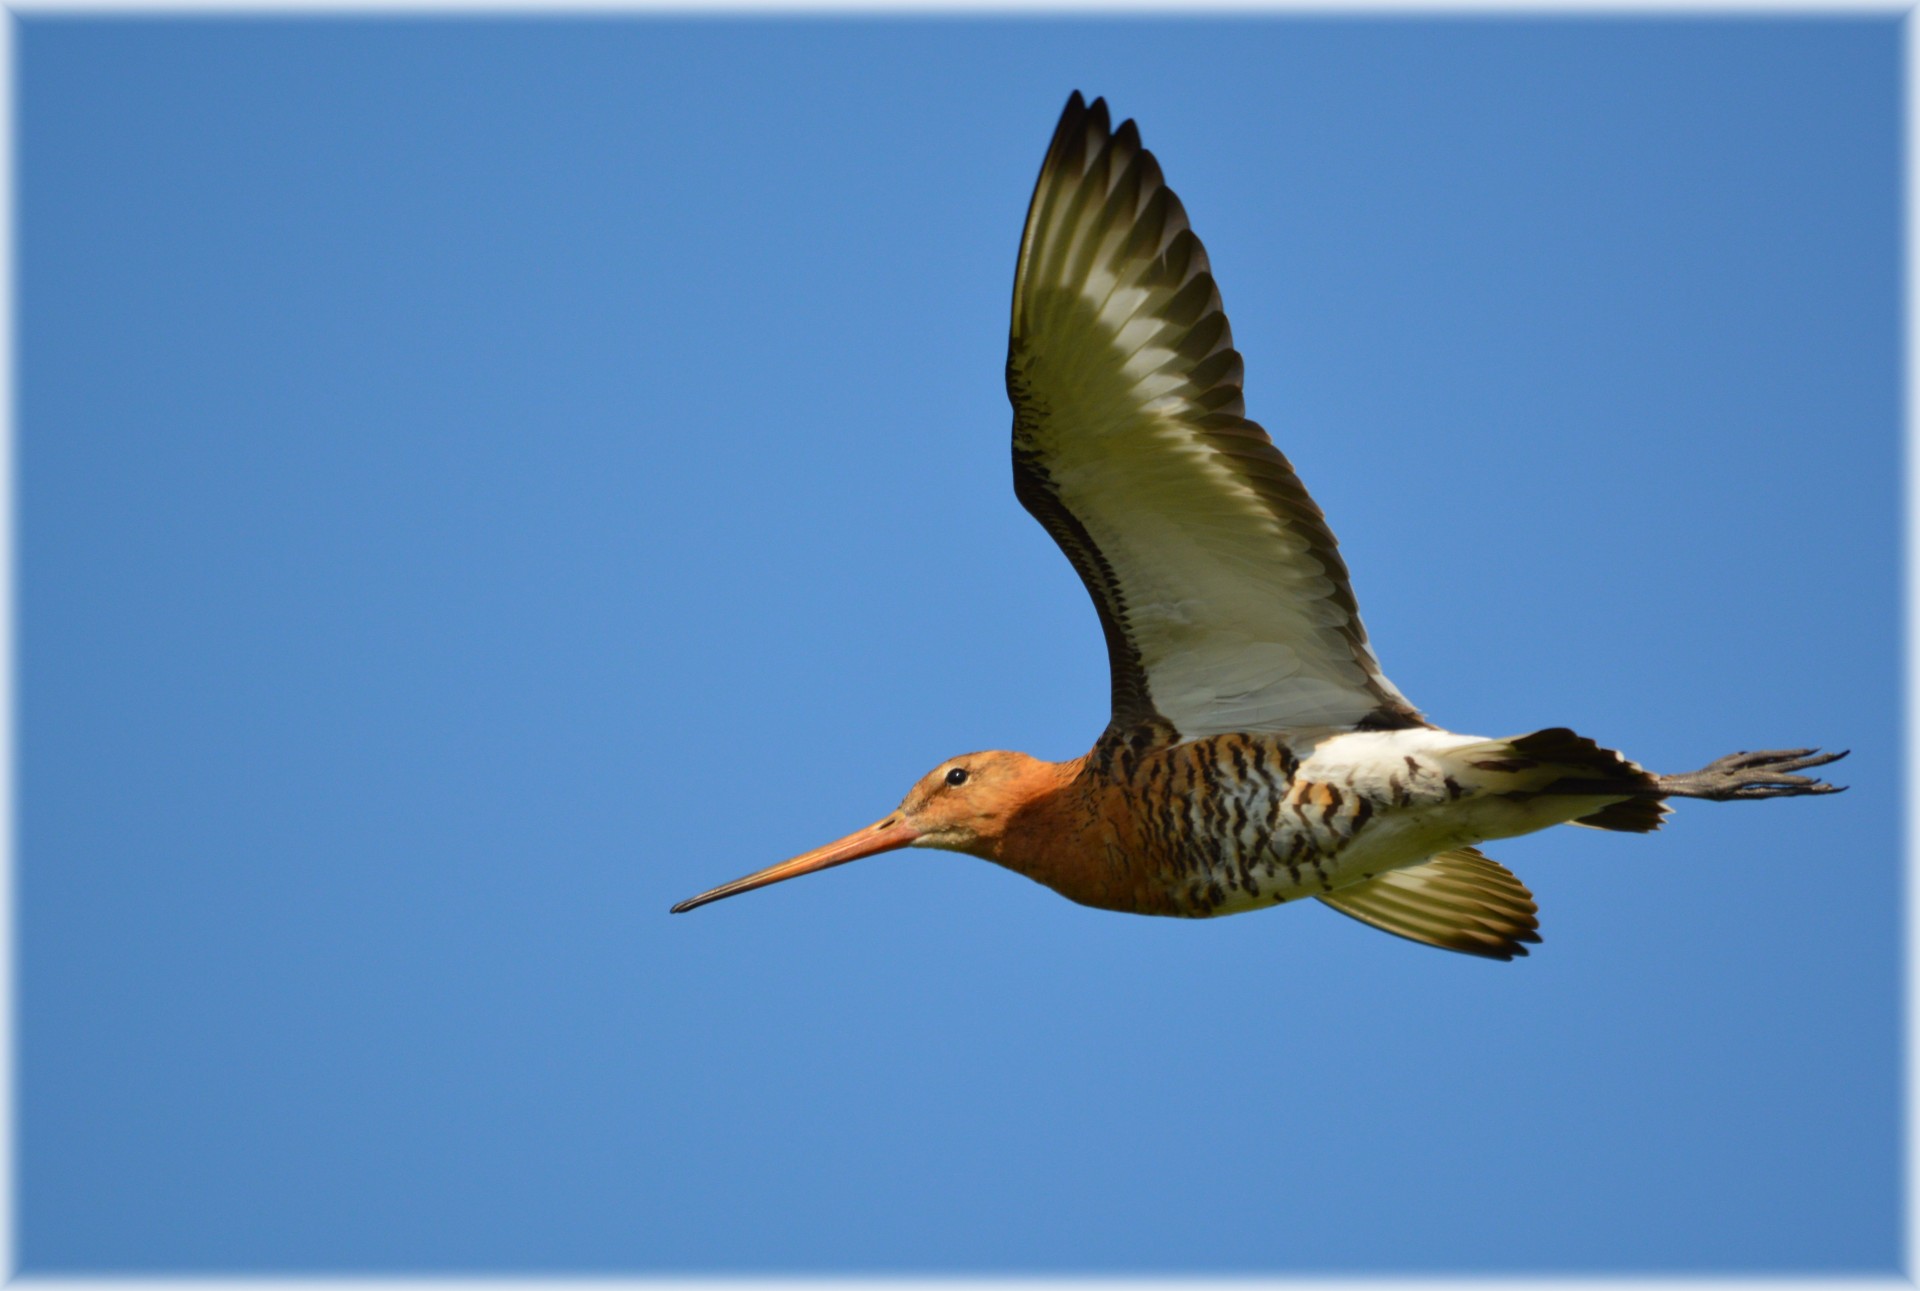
<point>1256,752</point>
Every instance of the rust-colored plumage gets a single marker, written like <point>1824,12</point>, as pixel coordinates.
<point>1256,752</point>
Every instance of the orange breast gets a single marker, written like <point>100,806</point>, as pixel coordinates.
<point>1155,828</point>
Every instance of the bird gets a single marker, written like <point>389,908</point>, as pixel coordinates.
<point>1256,753</point>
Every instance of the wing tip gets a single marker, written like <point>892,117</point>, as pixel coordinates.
<point>1074,116</point>
<point>1071,116</point>
<point>1092,121</point>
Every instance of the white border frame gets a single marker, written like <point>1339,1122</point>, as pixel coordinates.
<point>9,1266</point>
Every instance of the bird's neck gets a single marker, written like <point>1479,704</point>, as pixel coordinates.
<point>1059,836</point>
<point>1032,816</point>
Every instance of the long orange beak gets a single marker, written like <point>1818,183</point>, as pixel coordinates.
<point>883,837</point>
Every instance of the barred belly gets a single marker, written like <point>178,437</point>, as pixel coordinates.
<point>1238,822</point>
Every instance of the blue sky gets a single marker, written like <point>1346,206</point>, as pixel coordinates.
<point>481,483</point>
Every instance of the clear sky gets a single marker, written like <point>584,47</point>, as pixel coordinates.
<point>481,483</point>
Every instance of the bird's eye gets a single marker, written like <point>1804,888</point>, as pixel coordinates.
<point>957,776</point>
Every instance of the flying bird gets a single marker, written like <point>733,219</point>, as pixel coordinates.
<point>1257,754</point>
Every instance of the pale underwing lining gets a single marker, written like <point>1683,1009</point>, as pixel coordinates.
<point>1220,589</point>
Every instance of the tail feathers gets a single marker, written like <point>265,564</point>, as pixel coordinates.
<point>1557,761</point>
<point>1629,816</point>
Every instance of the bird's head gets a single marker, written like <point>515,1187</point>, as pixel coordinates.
<point>966,804</point>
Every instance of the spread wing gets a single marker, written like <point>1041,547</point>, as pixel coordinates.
<point>1221,591</point>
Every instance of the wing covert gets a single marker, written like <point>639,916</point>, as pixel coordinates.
<point>1220,589</point>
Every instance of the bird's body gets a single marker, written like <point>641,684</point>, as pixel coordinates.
<point>1233,822</point>
<point>1256,752</point>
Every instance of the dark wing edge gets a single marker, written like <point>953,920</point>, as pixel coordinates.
<point>1067,153</point>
